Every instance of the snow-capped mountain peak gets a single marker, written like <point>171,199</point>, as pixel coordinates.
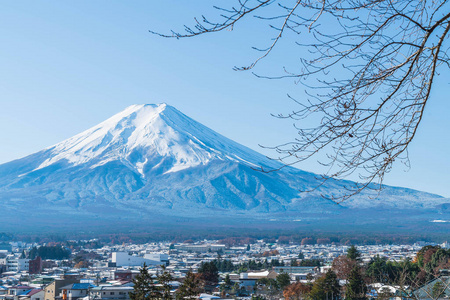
<point>145,131</point>
<point>153,161</point>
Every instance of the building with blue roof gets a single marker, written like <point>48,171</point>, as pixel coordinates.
<point>75,291</point>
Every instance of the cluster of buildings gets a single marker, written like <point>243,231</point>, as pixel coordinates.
<point>109,274</point>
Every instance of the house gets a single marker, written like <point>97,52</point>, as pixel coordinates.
<point>110,292</point>
<point>52,290</point>
<point>42,280</point>
<point>18,290</point>
<point>125,275</point>
<point>75,291</point>
<point>248,280</point>
<point>253,276</point>
<point>3,292</point>
<point>380,290</point>
<point>34,294</point>
<point>23,292</point>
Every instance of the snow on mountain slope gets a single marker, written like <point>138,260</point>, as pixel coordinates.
<point>152,159</point>
<point>152,130</point>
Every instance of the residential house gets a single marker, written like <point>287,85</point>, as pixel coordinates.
<point>34,294</point>
<point>110,292</point>
<point>75,291</point>
<point>52,290</point>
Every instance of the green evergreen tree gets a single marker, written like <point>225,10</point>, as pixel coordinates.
<point>310,263</point>
<point>191,287</point>
<point>356,287</point>
<point>332,288</point>
<point>437,290</point>
<point>164,279</point>
<point>377,269</point>
<point>209,272</point>
<point>326,287</point>
<point>331,285</point>
<point>33,253</point>
<point>143,289</point>
<point>353,253</point>
<point>227,284</point>
<point>283,280</point>
<point>49,252</point>
<point>227,280</point>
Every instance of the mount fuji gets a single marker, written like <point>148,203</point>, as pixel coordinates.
<point>152,163</point>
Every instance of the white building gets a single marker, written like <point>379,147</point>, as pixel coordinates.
<point>124,259</point>
<point>200,247</point>
<point>161,257</point>
<point>15,264</point>
<point>111,292</point>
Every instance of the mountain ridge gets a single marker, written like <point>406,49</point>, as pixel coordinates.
<point>152,160</point>
<point>139,126</point>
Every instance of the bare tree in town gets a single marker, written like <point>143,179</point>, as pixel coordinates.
<point>368,73</point>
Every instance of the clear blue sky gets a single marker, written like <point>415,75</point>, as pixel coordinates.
<point>68,65</point>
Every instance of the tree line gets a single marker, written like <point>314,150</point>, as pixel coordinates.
<point>49,252</point>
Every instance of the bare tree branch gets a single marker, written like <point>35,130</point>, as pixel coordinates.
<point>368,77</point>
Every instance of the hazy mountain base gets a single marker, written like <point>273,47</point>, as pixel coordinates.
<point>229,224</point>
